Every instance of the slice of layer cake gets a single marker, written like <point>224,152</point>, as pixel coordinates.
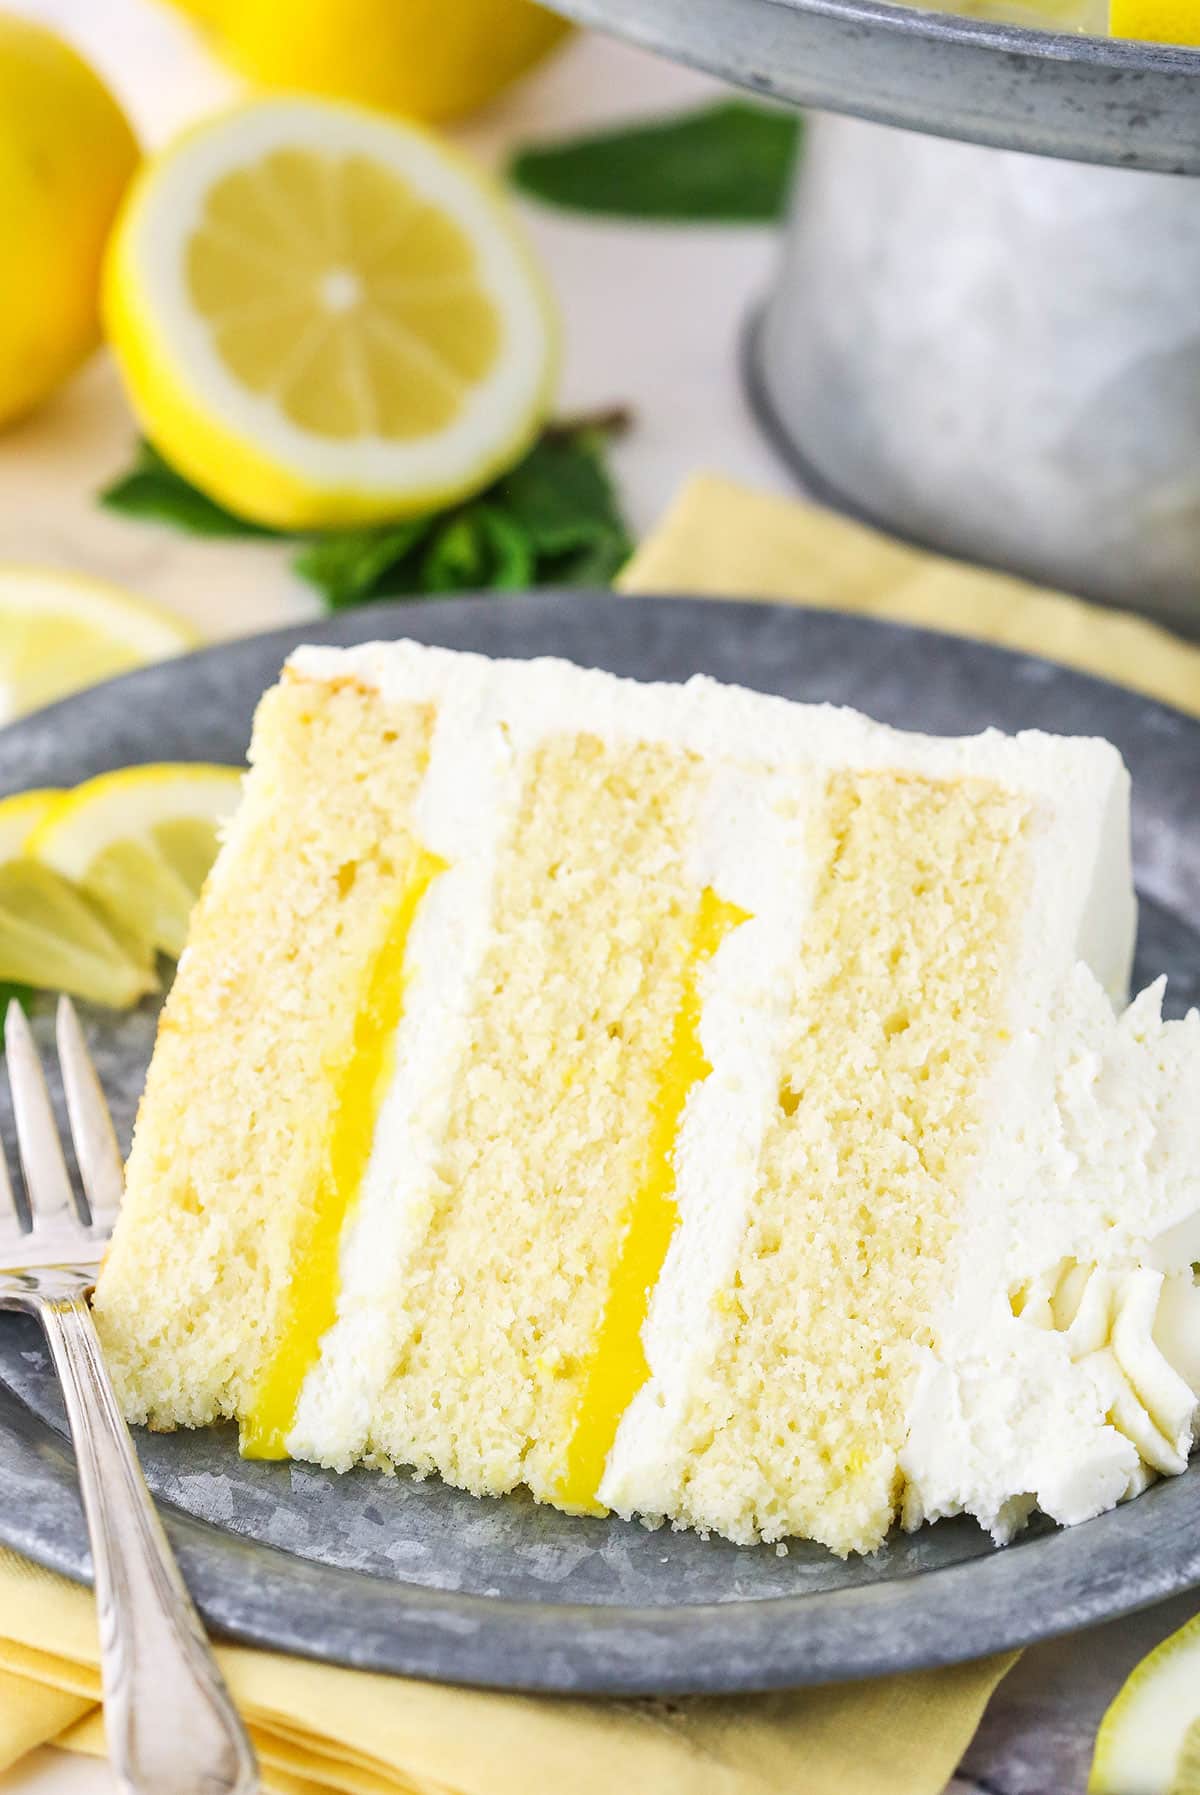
<point>673,1100</point>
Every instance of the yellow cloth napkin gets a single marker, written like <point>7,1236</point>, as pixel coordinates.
<point>320,1729</point>
<point>719,540</point>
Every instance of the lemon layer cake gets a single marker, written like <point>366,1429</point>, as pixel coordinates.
<point>672,1100</point>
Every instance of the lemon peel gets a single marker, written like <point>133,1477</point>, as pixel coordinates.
<point>1149,1738</point>
<point>66,156</point>
<point>138,841</point>
<point>60,631</point>
<point>326,317</point>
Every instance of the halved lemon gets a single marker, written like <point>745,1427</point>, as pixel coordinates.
<point>139,843</point>
<point>1149,1740</point>
<point>60,631</point>
<point>324,316</point>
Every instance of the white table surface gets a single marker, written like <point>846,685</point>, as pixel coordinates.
<point>652,320</point>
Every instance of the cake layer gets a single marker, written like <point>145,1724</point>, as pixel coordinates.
<point>797,1420</point>
<point>552,1118</point>
<point>664,1098</point>
<point>257,1114</point>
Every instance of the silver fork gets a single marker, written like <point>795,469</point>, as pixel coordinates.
<point>172,1728</point>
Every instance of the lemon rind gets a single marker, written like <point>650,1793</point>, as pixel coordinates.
<point>172,392</point>
<point>92,816</point>
<point>1144,1764</point>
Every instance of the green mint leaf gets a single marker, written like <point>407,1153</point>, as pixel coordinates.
<point>479,548</point>
<point>561,493</point>
<point>348,566</point>
<point>152,490</point>
<point>553,519</point>
<point>596,563</point>
<point>729,163</point>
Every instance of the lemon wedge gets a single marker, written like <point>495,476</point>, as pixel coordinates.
<point>1149,1740</point>
<point>60,631</point>
<point>1156,21</point>
<point>19,816</point>
<point>54,938</point>
<point>324,316</point>
<point>138,843</point>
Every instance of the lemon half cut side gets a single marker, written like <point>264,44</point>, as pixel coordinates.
<point>325,316</point>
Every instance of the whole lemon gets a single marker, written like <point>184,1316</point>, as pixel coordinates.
<point>66,154</point>
<point>426,59</point>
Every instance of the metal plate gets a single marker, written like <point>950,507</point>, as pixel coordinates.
<point>1090,99</point>
<point>418,1578</point>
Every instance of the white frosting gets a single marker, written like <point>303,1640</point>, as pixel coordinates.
<point>1085,1198</point>
<point>750,848</point>
<point>463,809</point>
<point>1082,1214</point>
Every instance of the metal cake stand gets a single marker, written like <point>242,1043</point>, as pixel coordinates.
<point>992,344</point>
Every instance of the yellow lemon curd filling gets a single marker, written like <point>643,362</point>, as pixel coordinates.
<point>616,1367</point>
<point>361,1082</point>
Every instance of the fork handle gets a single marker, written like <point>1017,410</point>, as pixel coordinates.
<point>172,1727</point>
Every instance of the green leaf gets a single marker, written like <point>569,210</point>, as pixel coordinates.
<point>553,519</point>
<point>561,493</point>
<point>595,563</point>
<point>349,566</point>
<point>152,490</point>
<point>480,548</point>
<point>14,993</point>
<point>729,163</point>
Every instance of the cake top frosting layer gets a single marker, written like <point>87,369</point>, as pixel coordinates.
<point>1087,900</point>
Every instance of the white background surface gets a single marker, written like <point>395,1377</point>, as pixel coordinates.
<point>652,320</point>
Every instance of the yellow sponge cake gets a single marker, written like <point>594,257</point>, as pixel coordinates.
<point>673,1100</point>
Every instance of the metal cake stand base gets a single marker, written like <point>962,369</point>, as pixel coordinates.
<point>983,350</point>
<point>997,355</point>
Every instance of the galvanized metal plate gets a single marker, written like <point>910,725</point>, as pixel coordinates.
<point>418,1578</point>
<point>1090,99</point>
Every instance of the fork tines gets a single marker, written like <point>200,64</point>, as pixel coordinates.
<point>56,1213</point>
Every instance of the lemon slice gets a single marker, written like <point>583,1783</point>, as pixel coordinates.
<point>1157,21</point>
<point>324,316</point>
<point>60,631</point>
<point>19,816</point>
<point>53,938</point>
<point>139,842</point>
<point>1149,1740</point>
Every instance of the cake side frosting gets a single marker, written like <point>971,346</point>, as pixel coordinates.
<point>1067,1363</point>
